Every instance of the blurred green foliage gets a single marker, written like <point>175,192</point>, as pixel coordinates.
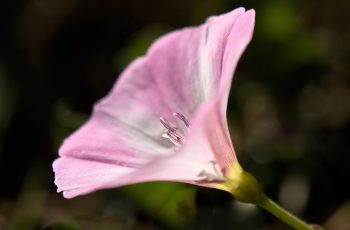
<point>64,225</point>
<point>172,203</point>
<point>279,20</point>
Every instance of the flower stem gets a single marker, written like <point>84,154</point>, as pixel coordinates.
<point>284,215</point>
<point>245,188</point>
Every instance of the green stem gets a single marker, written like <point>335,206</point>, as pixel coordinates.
<point>245,188</point>
<point>284,215</point>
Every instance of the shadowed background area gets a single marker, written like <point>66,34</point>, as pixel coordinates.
<point>289,111</point>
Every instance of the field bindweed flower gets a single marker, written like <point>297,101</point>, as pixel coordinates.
<point>165,119</point>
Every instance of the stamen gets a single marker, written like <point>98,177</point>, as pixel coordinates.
<point>214,167</point>
<point>167,124</point>
<point>172,132</point>
<point>175,137</point>
<point>216,177</point>
<point>211,177</point>
<point>182,118</point>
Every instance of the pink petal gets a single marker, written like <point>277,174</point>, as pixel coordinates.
<point>75,175</point>
<point>187,63</point>
<point>125,124</point>
<point>187,71</point>
<point>240,36</point>
<point>205,144</point>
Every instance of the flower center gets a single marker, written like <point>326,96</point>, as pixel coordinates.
<point>173,132</point>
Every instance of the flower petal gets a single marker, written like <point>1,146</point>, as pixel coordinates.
<point>76,175</point>
<point>187,71</point>
<point>206,143</point>
<point>187,64</point>
<point>240,35</point>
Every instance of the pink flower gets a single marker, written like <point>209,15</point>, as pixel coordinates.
<point>165,118</point>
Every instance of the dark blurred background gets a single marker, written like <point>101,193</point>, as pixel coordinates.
<point>289,111</point>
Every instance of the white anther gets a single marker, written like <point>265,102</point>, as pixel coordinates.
<point>211,177</point>
<point>216,176</point>
<point>215,167</point>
